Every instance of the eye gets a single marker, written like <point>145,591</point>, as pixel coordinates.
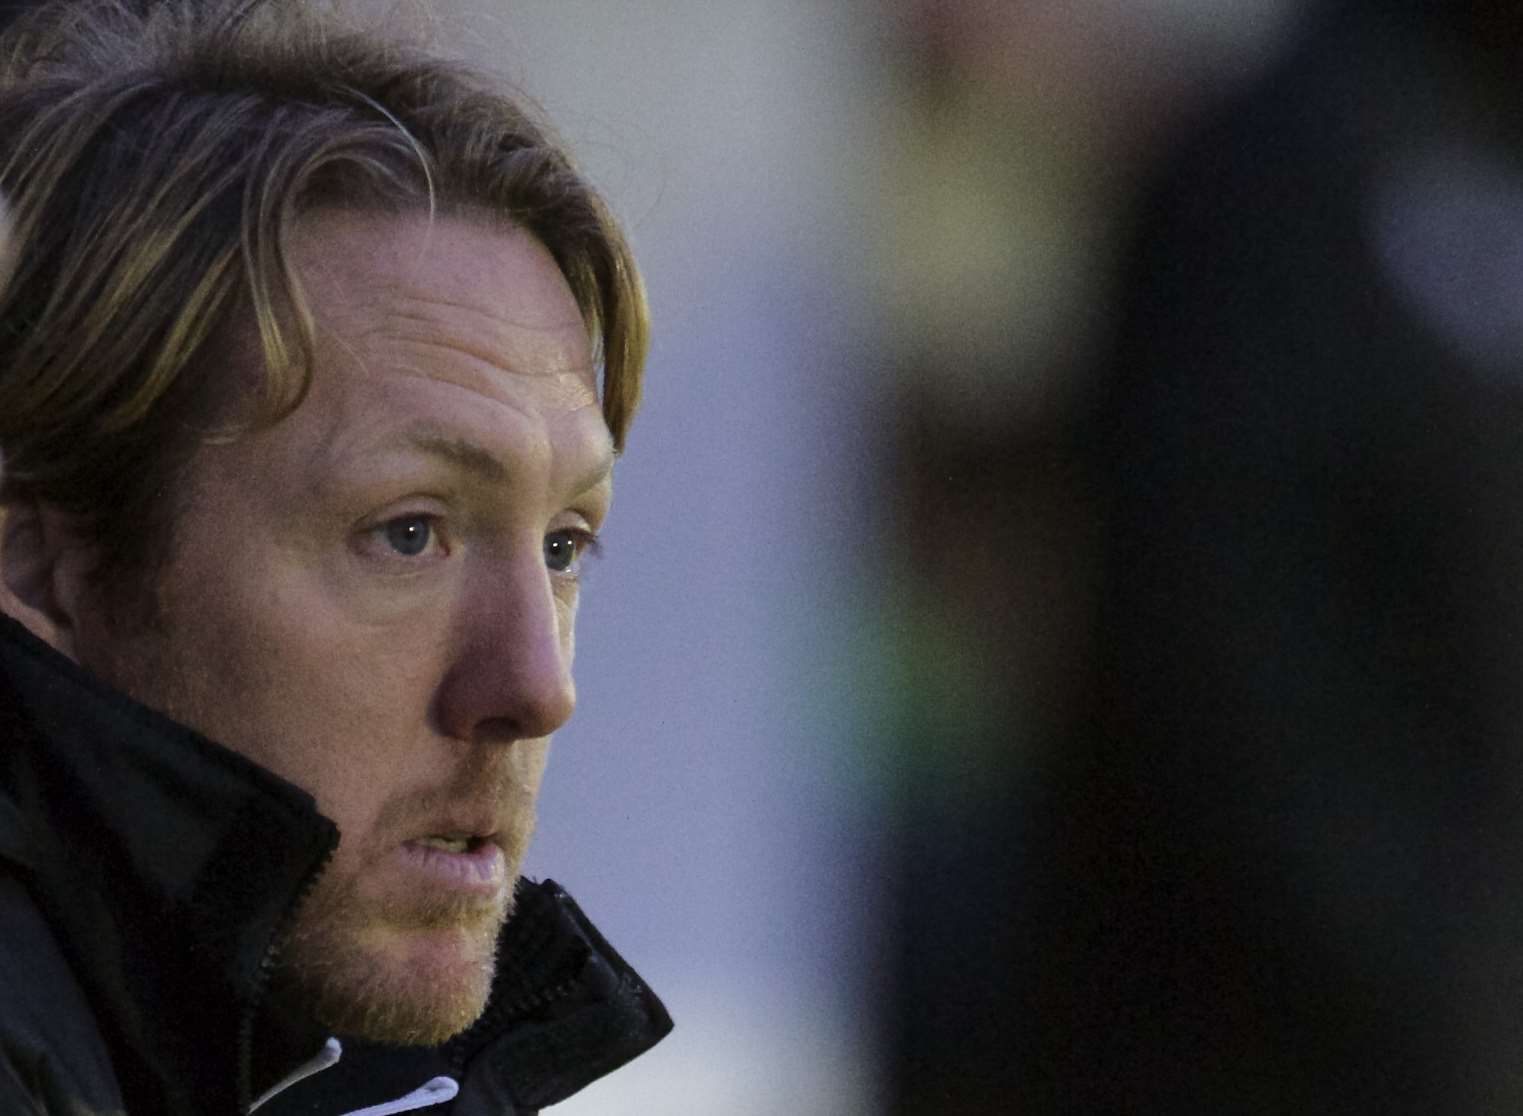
<point>409,536</point>
<point>564,549</point>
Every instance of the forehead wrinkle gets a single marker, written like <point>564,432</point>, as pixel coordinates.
<point>481,332</point>
<point>590,444</point>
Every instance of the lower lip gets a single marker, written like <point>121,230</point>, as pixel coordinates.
<point>479,871</point>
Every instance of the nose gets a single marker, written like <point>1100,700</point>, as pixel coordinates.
<point>511,678</point>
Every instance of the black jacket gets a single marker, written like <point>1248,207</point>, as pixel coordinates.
<point>144,874</point>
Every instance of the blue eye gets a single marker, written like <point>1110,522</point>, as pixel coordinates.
<point>409,537</point>
<point>563,548</point>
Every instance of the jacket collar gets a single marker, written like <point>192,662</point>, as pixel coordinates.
<point>164,861</point>
<point>168,864</point>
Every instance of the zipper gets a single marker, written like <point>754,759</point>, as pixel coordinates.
<point>501,1014</point>
<point>534,1001</point>
<point>266,968</point>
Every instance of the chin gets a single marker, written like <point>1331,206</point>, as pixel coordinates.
<point>401,987</point>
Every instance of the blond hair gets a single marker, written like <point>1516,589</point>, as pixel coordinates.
<point>155,165</point>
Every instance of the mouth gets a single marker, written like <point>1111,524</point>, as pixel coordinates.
<point>457,861</point>
<point>452,843</point>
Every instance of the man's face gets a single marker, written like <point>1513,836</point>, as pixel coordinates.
<point>374,598</point>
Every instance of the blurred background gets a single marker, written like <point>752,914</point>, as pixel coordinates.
<point>1058,642</point>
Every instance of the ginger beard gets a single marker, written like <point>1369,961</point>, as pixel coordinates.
<point>411,970</point>
<point>327,961</point>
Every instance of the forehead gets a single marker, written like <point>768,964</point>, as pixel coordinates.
<point>465,315</point>
<point>462,328</point>
<point>403,288</point>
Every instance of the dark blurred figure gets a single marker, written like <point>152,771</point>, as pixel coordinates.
<point>1288,867</point>
<point>1278,867</point>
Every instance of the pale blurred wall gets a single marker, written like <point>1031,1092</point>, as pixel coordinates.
<point>703,804</point>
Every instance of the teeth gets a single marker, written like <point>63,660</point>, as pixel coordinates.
<point>448,844</point>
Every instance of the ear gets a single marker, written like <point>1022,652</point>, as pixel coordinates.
<point>43,568</point>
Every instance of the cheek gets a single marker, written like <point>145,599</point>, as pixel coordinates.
<point>565,618</point>
<point>348,709</point>
<point>267,665</point>
<point>529,759</point>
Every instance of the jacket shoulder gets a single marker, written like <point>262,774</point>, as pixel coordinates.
<point>53,1058</point>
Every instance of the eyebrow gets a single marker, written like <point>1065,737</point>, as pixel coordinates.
<point>461,453</point>
<point>473,458</point>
